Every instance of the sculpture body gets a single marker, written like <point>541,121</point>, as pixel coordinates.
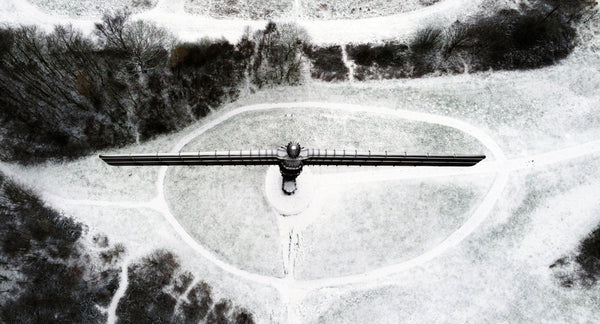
<point>292,157</point>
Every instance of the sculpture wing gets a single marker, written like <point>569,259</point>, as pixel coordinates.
<point>353,157</point>
<point>253,157</point>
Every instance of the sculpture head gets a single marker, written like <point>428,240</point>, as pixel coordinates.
<point>293,149</point>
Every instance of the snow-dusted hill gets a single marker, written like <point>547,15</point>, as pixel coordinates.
<point>374,245</point>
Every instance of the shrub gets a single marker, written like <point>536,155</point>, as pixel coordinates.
<point>387,54</point>
<point>104,286</point>
<point>153,290</point>
<point>588,256</point>
<point>113,254</point>
<point>219,313</point>
<point>327,63</point>
<point>513,40</point>
<point>223,312</point>
<point>279,55</point>
<point>100,240</point>
<point>203,74</point>
<point>456,38</point>
<point>508,40</point>
<point>388,60</point>
<point>198,303</point>
<point>199,55</point>
<point>583,267</point>
<point>361,54</point>
<point>426,40</point>
<point>243,317</point>
<point>51,278</point>
<point>182,281</point>
<point>145,300</point>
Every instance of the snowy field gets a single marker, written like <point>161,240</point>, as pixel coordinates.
<point>356,9</point>
<point>381,245</point>
<point>172,15</point>
<point>249,216</point>
<point>91,7</point>
<point>500,273</point>
<point>246,9</point>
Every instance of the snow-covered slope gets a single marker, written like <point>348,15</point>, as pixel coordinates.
<point>507,219</point>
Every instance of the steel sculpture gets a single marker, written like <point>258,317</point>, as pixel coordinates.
<point>292,157</point>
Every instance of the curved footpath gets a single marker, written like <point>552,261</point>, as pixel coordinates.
<point>477,217</point>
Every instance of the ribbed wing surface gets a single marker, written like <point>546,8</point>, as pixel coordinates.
<point>353,157</point>
<point>253,157</point>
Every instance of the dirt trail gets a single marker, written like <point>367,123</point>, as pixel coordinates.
<point>123,283</point>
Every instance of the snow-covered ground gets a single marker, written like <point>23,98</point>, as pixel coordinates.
<point>214,208</point>
<point>399,257</point>
<point>375,245</point>
<point>247,9</point>
<point>190,27</point>
<point>92,7</point>
<point>354,9</point>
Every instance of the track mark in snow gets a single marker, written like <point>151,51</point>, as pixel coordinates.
<point>296,9</point>
<point>123,283</point>
<point>293,247</point>
<point>348,63</point>
<point>291,297</point>
<point>184,296</point>
<point>290,229</point>
<point>170,6</point>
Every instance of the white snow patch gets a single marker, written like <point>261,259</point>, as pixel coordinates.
<point>289,205</point>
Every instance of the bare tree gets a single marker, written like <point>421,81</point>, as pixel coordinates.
<point>146,45</point>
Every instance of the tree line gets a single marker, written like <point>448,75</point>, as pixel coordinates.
<point>66,94</point>
<point>48,275</point>
<point>539,34</point>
